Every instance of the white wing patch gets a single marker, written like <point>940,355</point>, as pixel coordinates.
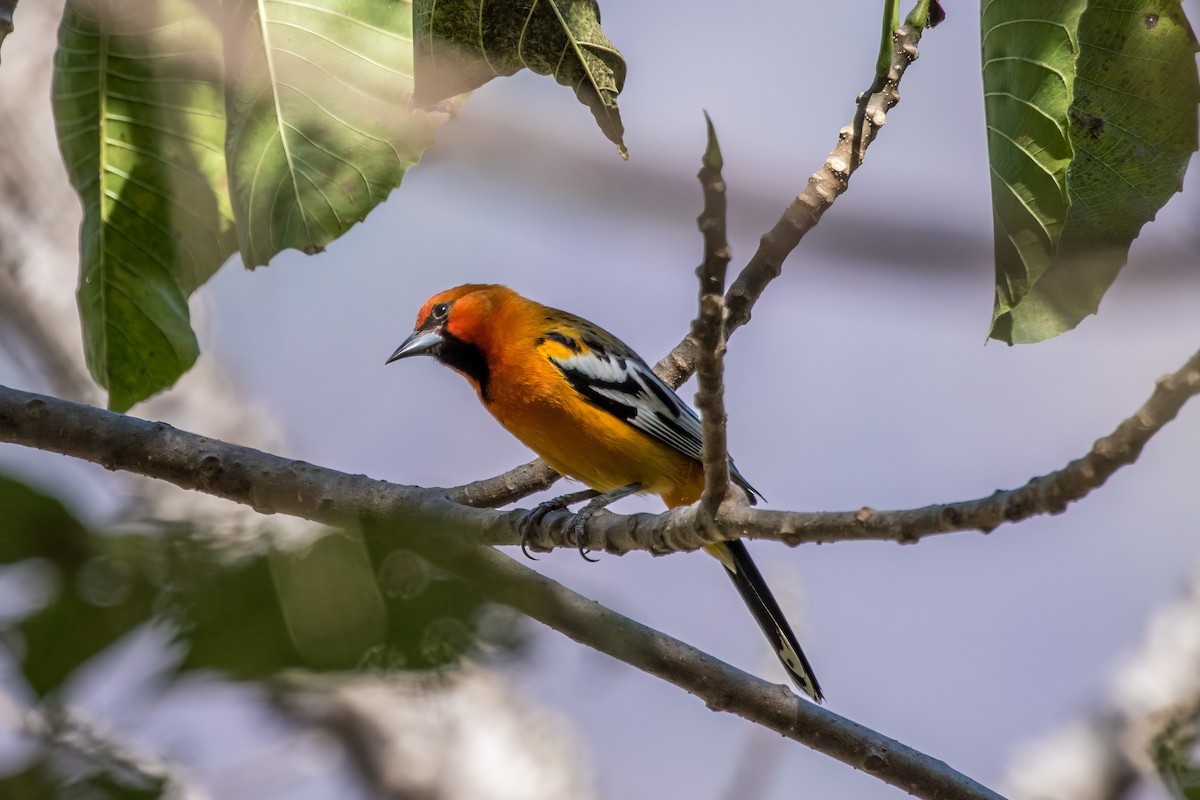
<point>613,377</point>
<point>626,387</point>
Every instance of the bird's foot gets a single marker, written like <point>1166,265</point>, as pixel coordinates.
<point>579,522</point>
<point>584,514</point>
<point>536,514</point>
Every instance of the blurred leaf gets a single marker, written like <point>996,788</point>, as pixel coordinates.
<point>6,18</point>
<point>33,783</point>
<point>97,596</point>
<point>35,525</point>
<point>1091,113</point>
<point>1175,756</point>
<point>320,124</point>
<point>40,781</point>
<point>227,616</point>
<point>331,602</point>
<point>141,125</point>
<point>333,606</point>
<point>106,785</point>
<point>98,602</point>
<point>463,44</point>
<point>336,605</point>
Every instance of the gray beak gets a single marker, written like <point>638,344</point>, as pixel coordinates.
<point>419,343</point>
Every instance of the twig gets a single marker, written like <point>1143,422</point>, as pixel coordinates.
<point>1047,494</point>
<point>824,187</point>
<point>507,487</point>
<point>447,534</point>
<point>709,327</point>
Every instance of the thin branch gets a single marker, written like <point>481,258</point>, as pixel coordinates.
<point>1047,494</point>
<point>709,328</point>
<point>824,187</point>
<point>505,488</point>
<point>447,534</point>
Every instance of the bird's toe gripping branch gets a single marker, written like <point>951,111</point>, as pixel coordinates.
<point>534,517</point>
<point>579,523</point>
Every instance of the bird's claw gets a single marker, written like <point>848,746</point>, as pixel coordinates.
<point>534,518</point>
<point>578,523</point>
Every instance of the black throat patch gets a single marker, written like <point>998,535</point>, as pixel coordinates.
<point>465,357</point>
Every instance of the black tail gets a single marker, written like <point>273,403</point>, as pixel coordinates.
<point>753,589</point>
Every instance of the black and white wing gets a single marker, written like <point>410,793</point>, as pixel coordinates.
<point>613,377</point>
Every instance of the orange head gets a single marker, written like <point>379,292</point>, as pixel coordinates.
<point>454,327</point>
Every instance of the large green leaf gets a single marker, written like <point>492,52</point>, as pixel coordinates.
<point>1091,112</point>
<point>140,115</point>
<point>321,126</point>
<point>462,44</point>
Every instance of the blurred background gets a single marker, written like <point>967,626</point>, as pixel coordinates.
<point>1028,659</point>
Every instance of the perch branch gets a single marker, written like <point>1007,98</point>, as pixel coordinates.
<point>271,484</point>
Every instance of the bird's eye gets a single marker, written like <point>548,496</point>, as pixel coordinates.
<point>440,311</point>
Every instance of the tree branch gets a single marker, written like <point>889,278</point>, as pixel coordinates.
<point>824,187</point>
<point>678,529</point>
<point>271,484</point>
<point>446,534</point>
<point>507,487</point>
<point>709,327</point>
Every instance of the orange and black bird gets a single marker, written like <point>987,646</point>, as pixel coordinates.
<point>586,403</point>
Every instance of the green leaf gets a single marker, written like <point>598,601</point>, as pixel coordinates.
<point>462,44</point>
<point>35,525</point>
<point>1174,754</point>
<point>1091,113</point>
<point>321,127</point>
<point>337,605</point>
<point>140,117</point>
<point>111,785</point>
<point>97,604</point>
<point>344,602</point>
<point>41,781</point>
<point>97,585</point>
<point>36,782</point>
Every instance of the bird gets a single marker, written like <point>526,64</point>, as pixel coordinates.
<point>593,409</point>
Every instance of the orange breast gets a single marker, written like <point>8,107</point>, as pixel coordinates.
<point>537,405</point>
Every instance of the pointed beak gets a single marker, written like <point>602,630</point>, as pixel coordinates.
<point>419,343</point>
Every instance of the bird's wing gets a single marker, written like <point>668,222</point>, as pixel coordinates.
<point>624,386</point>
<point>610,375</point>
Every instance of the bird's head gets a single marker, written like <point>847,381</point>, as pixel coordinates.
<point>454,327</point>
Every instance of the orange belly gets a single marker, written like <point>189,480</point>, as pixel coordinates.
<point>591,445</point>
